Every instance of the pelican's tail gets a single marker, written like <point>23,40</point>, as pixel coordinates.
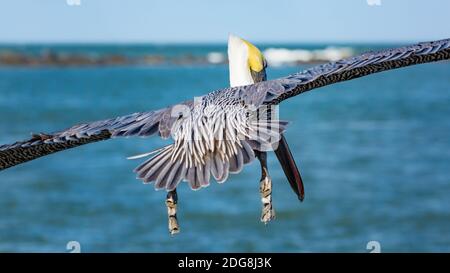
<point>168,167</point>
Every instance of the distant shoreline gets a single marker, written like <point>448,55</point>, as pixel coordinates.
<point>48,56</point>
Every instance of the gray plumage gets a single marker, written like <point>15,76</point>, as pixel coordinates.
<point>211,134</point>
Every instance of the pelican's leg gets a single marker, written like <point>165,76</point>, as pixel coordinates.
<point>265,189</point>
<point>171,203</point>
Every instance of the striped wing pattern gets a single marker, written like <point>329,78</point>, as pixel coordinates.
<point>143,124</point>
<point>358,66</point>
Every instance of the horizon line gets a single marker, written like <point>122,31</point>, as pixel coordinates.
<point>261,42</point>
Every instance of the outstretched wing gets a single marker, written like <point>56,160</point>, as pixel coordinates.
<point>275,91</point>
<point>140,124</point>
<point>269,92</point>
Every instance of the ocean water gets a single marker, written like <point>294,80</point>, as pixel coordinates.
<point>374,154</point>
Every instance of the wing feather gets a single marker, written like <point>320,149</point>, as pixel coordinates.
<point>275,91</point>
<point>137,124</point>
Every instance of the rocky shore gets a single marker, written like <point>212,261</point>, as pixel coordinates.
<point>274,56</point>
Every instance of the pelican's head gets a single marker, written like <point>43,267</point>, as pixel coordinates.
<point>247,64</point>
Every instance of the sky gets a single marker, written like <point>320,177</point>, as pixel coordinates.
<point>196,21</point>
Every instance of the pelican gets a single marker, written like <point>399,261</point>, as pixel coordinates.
<point>247,66</point>
<point>219,133</point>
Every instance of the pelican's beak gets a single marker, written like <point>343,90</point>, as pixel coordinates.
<point>256,62</point>
<point>248,58</point>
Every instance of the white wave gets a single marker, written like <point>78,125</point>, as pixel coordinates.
<point>216,58</point>
<point>284,56</point>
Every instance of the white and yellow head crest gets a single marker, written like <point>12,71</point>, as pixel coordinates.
<point>246,62</point>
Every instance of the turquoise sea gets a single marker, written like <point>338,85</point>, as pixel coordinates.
<point>374,154</point>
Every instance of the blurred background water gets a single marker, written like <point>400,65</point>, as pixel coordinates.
<point>374,154</point>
